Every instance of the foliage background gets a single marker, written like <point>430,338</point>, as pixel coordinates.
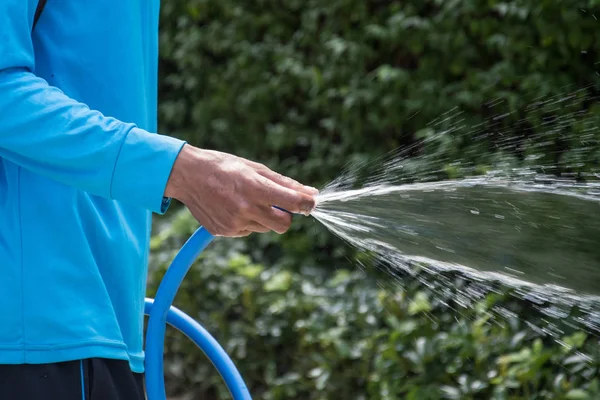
<point>308,86</point>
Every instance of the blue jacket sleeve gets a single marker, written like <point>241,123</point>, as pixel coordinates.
<point>45,131</point>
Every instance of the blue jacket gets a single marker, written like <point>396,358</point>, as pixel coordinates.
<point>81,171</point>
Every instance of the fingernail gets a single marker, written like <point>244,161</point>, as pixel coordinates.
<point>313,189</point>
<point>307,210</point>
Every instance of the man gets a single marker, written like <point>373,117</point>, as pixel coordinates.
<point>81,170</point>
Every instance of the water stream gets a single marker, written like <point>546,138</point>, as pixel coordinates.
<point>534,227</point>
<point>546,234</point>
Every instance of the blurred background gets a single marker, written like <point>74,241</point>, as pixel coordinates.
<point>309,86</point>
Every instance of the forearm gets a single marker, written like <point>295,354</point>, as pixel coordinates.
<point>45,131</point>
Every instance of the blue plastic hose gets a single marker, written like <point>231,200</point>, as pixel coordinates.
<point>211,348</point>
<point>161,312</point>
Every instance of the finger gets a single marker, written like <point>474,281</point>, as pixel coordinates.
<point>274,219</point>
<point>288,182</point>
<point>257,227</point>
<point>281,179</point>
<point>289,199</point>
<point>240,234</point>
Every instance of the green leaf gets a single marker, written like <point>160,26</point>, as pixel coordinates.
<point>577,394</point>
<point>419,304</point>
<point>281,281</point>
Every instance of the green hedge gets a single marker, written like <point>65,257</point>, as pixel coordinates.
<point>310,335</point>
<point>308,86</point>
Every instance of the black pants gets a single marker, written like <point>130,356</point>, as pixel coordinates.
<point>90,379</point>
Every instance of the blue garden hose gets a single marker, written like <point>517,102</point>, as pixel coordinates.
<point>161,312</point>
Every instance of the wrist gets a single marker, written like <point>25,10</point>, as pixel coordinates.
<point>176,184</point>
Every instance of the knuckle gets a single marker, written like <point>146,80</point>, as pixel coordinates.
<point>284,226</point>
<point>283,230</point>
<point>244,208</point>
<point>232,226</point>
<point>238,226</point>
<point>237,220</point>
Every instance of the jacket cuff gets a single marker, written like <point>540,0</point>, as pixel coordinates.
<point>143,168</point>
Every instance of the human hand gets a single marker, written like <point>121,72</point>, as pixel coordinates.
<point>232,196</point>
